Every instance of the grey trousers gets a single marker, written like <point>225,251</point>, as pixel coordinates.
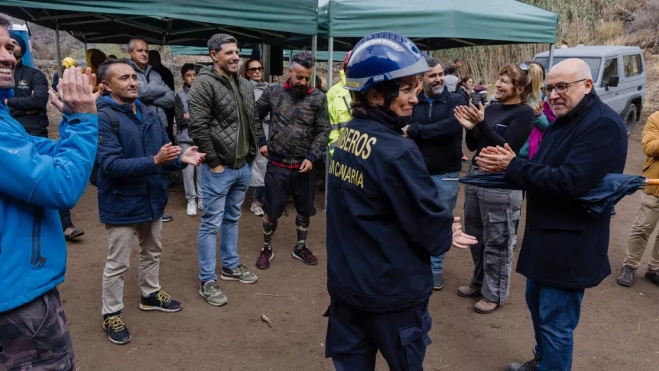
<point>191,183</point>
<point>490,216</point>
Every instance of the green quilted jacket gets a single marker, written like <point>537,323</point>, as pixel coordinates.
<point>214,119</point>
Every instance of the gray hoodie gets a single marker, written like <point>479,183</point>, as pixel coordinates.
<point>153,92</point>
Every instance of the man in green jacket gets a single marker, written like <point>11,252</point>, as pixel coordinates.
<point>223,124</point>
<point>338,106</point>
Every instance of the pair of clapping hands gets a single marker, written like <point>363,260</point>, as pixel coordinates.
<point>76,95</point>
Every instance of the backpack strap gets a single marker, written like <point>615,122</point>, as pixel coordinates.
<point>114,121</point>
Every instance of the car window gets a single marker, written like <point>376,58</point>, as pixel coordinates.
<point>593,62</point>
<point>633,65</point>
<point>610,69</point>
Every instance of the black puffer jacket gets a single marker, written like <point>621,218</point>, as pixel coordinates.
<point>298,127</point>
<point>28,106</point>
<point>214,117</point>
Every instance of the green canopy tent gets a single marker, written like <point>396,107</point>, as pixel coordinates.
<point>245,52</point>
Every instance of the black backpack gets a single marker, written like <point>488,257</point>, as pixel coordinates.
<point>114,122</point>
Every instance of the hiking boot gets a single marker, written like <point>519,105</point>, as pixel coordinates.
<point>626,276</point>
<point>470,291</point>
<point>256,208</point>
<point>72,233</point>
<point>653,276</point>
<point>485,306</point>
<point>159,301</point>
<point>212,293</point>
<point>167,218</point>
<point>439,281</point>
<point>305,255</point>
<point>531,365</point>
<point>263,261</point>
<point>114,327</point>
<point>239,273</point>
<point>192,208</point>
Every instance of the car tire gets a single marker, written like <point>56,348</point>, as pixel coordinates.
<point>630,118</point>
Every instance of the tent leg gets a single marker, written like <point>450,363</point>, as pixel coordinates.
<point>314,49</point>
<point>551,57</point>
<point>330,72</point>
<point>265,60</point>
<point>58,51</point>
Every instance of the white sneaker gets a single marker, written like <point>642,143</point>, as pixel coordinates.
<point>256,208</point>
<point>192,208</point>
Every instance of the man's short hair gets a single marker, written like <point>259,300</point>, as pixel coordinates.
<point>131,44</point>
<point>432,62</point>
<point>451,70</point>
<point>458,59</point>
<point>187,67</point>
<point>104,68</point>
<point>4,22</point>
<point>304,59</point>
<point>216,41</point>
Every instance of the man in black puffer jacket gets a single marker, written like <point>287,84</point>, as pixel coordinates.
<point>28,106</point>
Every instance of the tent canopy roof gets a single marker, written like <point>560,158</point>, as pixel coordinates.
<point>246,52</point>
<point>175,22</point>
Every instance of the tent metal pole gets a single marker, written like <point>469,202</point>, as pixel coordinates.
<point>330,72</point>
<point>265,54</point>
<point>314,49</point>
<point>551,57</point>
<point>58,51</point>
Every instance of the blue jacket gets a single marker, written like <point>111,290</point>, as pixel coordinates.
<point>40,176</point>
<point>565,245</point>
<point>384,220</point>
<point>131,187</point>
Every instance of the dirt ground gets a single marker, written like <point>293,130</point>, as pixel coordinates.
<point>619,328</point>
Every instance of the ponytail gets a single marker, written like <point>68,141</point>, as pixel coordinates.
<point>536,80</point>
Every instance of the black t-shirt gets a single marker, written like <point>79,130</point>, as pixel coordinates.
<point>504,123</point>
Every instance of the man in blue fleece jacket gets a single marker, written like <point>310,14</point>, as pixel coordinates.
<point>40,177</point>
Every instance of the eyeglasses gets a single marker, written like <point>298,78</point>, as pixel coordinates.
<point>254,69</point>
<point>561,87</point>
<point>524,67</point>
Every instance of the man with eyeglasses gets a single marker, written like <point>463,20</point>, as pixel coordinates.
<point>565,245</point>
<point>299,127</point>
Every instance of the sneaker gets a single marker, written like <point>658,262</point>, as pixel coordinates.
<point>470,291</point>
<point>626,276</point>
<point>439,281</point>
<point>263,261</point>
<point>72,233</point>
<point>114,327</point>
<point>531,365</point>
<point>465,158</point>
<point>192,208</point>
<point>212,293</point>
<point>485,306</point>
<point>159,301</point>
<point>653,276</point>
<point>200,205</point>
<point>167,218</point>
<point>305,255</point>
<point>239,273</point>
<point>256,208</point>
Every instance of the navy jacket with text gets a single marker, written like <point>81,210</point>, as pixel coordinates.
<point>131,187</point>
<point>565,245</point>
<point>384,220</point>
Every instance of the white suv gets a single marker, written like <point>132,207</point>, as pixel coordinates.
<point>618,76</point>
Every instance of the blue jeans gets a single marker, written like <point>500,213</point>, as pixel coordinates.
<point>259,194</point>
<point>448,196</point>
<point>555,314</point>
<point>223,194</point>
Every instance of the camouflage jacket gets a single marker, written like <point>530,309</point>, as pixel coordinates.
<point>298,128</point>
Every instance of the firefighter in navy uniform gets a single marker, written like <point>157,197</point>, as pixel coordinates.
<point>384,221</point>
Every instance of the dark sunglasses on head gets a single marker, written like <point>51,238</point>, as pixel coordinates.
<point>254,69</point>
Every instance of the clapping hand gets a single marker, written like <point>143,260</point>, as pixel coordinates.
<point>469,116</point>
<point>460,239</point>
<point>167,154</point>
<point>192,157</point>
<point>495,159</point>
<point>75,92</point>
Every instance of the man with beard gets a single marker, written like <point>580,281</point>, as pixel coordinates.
<point>223,124</point>
<point>41,176</point>
<point>439,136</point>
<point>299,128</point>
